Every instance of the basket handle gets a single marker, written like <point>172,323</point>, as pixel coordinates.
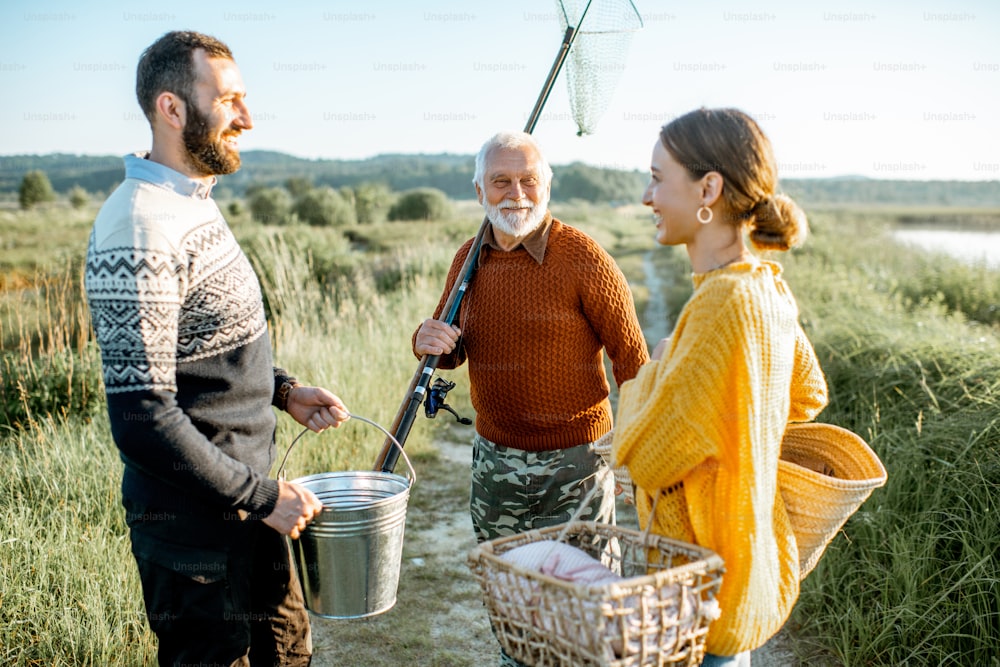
<point>583,504</point>
<point>586,501</point>
<point>652,515</point>
<point>413,473</point>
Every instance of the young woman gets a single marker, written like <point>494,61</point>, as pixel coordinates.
<point>700,426</point>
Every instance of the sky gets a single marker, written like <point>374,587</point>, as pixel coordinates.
<point>891,90</point>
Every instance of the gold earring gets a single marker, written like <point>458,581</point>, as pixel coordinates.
<point>702,220</point>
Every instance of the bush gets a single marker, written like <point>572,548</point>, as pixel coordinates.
<point>35,189</point>
<point>78,197</point>
<point>298,185</point>
<point>593,184</point>
<point>421,204</point>
<point>324,207</point>
<point>271,206</point>
<point>372,202</point>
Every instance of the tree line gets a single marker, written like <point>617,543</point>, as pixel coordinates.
<point>297,200</point>
<point>452,175</point>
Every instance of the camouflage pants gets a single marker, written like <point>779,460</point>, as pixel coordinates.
<point>514,490</point>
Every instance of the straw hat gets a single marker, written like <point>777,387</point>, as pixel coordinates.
<point>824,475</point>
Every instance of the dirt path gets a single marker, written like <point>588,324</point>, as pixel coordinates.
<point>439,619</point>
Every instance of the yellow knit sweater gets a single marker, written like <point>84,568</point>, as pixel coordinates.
<point>703,425</point>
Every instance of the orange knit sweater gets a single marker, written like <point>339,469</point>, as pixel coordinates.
<point>711,415</point>
<point>533,335</point>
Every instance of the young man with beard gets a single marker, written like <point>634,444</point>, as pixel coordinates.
<point>545,301</point>
<point>179,317</point>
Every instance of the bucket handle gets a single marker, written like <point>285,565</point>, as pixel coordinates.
<point>413,473</point>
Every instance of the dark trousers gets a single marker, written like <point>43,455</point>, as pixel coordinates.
<point>237,606</point>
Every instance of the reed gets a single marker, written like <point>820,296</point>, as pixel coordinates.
<point>48,364</point>
<point>913,579</point>
<point>69,593</point>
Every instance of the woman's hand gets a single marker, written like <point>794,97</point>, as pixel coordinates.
<point>660,349</point>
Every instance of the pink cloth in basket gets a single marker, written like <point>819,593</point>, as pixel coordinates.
<point>561,561</point>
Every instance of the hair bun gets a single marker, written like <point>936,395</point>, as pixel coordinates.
<point>777,223</point>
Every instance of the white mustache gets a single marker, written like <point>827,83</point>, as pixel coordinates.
<point>510,204</point>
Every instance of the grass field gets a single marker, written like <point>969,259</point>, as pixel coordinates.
<point>910,344</point>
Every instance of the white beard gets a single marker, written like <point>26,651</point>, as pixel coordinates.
<point>519,222</point>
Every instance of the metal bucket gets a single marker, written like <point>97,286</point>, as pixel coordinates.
<point>348,558</point>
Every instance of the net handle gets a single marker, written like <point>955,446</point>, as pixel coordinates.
<point>568,37</point>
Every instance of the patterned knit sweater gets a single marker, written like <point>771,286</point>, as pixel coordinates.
<point>704,424</point>
<point>533,334</point>
<point>179,318</point>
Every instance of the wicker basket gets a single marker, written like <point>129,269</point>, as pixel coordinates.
<point>658,614</point>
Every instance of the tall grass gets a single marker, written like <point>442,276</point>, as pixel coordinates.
<point>345,333</point>
<point>41,237</point>
<point>69,594</point>
<point>48,363</point>
<point>913,579</point>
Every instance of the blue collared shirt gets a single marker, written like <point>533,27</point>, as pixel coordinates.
<point>139,166</point>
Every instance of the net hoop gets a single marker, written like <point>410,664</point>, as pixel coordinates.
<point>604,31</point>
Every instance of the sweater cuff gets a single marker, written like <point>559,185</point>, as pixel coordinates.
<point>264,499</point>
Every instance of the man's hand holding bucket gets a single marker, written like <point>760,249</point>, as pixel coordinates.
<point>317,409</point>
<point>296,507</point>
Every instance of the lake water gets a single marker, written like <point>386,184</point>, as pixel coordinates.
<point>969,246</point>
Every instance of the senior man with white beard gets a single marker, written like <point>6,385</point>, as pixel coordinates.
<point>544,303</point>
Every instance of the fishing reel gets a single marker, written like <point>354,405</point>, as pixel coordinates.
<point>435,400</point>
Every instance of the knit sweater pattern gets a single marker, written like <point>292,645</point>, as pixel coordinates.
<point>179,318</point>
<point>702,428</point>
<point>533,335</point>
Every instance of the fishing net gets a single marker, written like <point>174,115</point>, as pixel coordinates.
<point>604,30</point>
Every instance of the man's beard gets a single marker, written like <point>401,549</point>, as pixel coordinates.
<point>516,223</point>
<point>205,155</point>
